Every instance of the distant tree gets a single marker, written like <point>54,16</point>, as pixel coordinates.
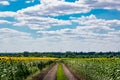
<point>70,54</point>
<point>26,53</point>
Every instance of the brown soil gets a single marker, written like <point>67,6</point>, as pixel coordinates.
<point>70,74</point>
<point>51,75</point>
<point>43,73</point>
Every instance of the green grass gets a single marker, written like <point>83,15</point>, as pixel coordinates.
<point>60,73</point>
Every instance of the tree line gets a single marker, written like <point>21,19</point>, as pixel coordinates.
<point>67,54</point>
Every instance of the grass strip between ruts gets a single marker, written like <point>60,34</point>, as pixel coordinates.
<point>60,73</point>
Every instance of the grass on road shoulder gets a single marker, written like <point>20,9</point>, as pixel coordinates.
<point>60,73</point>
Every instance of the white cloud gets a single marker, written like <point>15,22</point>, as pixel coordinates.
<point>4,3</point>
<point>39,23</point>
<point>90,28</point>
<point>8,14</point>
<point>87,36</point>
<point>54,8</point>
<point>4,22</point>
<point>75,34</point>
<point>15,41</point>
<point>27,2</point>
<point>34,22</point>
<point>106,4</point>
<point>6,33</point>
<point>91,22</point>
<point>33,0</point>
<point>115,33</point>
<point>36,17</point>
<point>68,45</point>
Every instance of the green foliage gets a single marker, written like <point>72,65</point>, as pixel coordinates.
<point>96,69</point>
<point>60,73</point>
<point>20,70</point>
<point>67,54</point>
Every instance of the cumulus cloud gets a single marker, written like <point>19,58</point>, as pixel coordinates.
<point>5,3</point>
<point>29,1</point>
<point>89,28</point>
<point>5,22</point>
<point>6,33</point>
<point>15,41</point>
<point>54,8</point>
<point>69,45</point>
<point>40,23</point>
<point>104,4</point>
<point>90,33</point>
<point>8,14</point>
<point>36,17</point>
<point>76,34</point>
<point>92,22</point>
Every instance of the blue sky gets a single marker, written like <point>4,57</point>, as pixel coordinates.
<point>59,25</point>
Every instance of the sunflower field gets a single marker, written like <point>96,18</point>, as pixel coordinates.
<point>95,68</point>
<point>19,68</point>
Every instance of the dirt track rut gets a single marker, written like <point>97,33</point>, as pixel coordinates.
<point>68,74</point>
<point>51,75</point>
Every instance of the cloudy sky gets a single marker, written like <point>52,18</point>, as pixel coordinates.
<point>59,25</point>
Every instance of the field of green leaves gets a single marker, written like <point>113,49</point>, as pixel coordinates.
<point>96,68</point>
<point>20,68</point>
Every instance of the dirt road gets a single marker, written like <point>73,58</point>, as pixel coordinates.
<point>51,75</point>
<point>68,74</point>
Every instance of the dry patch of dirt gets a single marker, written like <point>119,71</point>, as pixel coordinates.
<point>70,74</point>
<point>42,75</point>
<point>51,75</point>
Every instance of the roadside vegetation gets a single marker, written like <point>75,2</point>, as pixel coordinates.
<point>96,68</point>
<point>88,66</point>
<point>12,68</point>
<point>60,73</point>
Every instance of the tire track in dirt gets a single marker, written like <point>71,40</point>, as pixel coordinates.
<point>51,75</point>
<point>42,74</point>
<point>69,74</point>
